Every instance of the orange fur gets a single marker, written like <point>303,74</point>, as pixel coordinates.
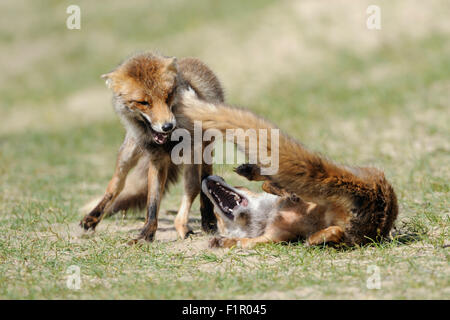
<point>361,199</point>
<point>146,91</point>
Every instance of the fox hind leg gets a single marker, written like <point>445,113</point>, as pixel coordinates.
<point>333,234</point>
<point>127,158</point>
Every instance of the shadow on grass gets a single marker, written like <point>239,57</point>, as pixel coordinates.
<point>396,238</point>
<point>405,235</point>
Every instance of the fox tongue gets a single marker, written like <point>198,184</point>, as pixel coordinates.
<point>160,138</point>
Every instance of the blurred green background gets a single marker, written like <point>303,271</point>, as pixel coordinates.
<point>360,96</point>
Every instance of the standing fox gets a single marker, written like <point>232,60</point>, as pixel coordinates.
<point>309,197</point>
<point>146,90</point>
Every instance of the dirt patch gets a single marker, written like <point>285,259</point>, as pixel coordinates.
<point>122,225</point>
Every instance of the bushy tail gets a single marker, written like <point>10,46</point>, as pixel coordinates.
<point>362,192</point>
<point>300,171</point>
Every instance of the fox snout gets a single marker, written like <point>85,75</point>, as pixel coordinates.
<point>164,127</point>
<point>210,179</point>
<point>159,129</point>
<point>168,126</point>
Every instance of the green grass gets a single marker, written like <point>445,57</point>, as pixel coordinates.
<point>384,105</point>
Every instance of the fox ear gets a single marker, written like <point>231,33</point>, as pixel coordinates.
<point>108,79</point>
<point>172,64</point>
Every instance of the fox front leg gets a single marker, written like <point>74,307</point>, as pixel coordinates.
<point>253,173</point>
<point>245,243</point>
<point>332,234</point>
<point>191,190</point>
<point>126,159</point>
<point>273,234</point>
<point>157,177</point>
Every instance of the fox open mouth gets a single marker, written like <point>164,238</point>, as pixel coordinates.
<point>225,198</point>
<point>159,137</point>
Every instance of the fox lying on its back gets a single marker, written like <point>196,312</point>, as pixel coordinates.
<point>336,203</point>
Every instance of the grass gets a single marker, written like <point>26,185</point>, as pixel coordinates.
<point>382,102</point>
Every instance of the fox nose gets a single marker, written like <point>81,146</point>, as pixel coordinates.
<point>167,126</point>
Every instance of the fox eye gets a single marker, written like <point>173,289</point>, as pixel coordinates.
<point>144,103</point>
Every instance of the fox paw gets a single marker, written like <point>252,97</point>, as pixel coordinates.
<point>249,171</point>
<point>184,231</point>
<point>139,241</point>
<point>221,242</point>
<point>145,237</point>
<point>89,222</point>
<point>216,242</point>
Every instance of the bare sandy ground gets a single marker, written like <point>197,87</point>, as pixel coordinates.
<point>129,227</point>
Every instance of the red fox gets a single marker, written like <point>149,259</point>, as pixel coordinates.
<point>146,90</point>
<point>309,197</point>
